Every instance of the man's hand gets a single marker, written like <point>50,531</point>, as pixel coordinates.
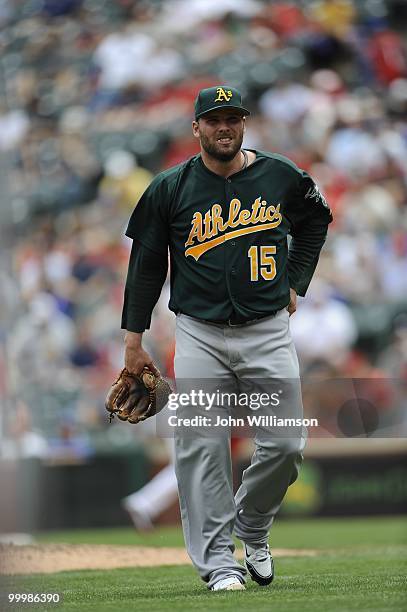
<point>135,357</point>
<point>135,398</point>
<point>292,306</point>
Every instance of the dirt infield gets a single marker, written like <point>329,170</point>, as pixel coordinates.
<point>49,558</point>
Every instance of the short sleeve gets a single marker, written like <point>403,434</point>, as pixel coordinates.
<point>149,222</point>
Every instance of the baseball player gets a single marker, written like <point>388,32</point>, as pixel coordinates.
<point>224,216</point>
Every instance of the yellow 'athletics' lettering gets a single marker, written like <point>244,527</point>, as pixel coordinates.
<point>206,231</point>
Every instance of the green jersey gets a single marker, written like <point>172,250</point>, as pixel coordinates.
<point>228,237</point>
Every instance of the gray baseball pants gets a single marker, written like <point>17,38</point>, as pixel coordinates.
<point>209,510</point>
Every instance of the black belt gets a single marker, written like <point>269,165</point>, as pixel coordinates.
<point>231,322</point>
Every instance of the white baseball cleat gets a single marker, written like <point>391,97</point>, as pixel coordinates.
<point>259,563</point>
<point>228,584</point>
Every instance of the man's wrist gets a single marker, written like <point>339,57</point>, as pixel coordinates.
<point>133,340</point>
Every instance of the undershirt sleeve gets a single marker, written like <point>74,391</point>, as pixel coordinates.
<point>146,275</point>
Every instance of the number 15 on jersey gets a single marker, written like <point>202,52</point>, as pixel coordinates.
<point>261,258</point>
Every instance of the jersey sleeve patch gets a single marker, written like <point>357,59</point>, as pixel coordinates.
<point>314,194</point>
<point>310,194</point>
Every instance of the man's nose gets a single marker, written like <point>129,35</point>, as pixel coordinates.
<point>223,125</point>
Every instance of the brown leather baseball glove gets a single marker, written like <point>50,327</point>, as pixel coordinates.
<point>134,398</point>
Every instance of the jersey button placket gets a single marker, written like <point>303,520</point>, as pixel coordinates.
<point>231,272</point>
<point>233,287</point>
<point>233,276</point>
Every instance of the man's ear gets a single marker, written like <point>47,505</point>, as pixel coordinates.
<point>195,129</point>
<point>244,124</point>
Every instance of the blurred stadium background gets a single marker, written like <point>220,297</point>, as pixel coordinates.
<point>96,97</point>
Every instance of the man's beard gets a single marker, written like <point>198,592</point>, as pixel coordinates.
<point>212,150</point>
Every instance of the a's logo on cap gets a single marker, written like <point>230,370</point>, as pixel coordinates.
<point>223,95</point>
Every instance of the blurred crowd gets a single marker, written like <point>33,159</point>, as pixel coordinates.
<point>96,96</point>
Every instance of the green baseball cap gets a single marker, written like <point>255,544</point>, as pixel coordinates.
<point>218,97</point>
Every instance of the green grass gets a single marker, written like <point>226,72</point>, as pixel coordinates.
<point>336,583</point>
<point>306,533</point>
<point>362,566</point>
<point>126,536</point>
